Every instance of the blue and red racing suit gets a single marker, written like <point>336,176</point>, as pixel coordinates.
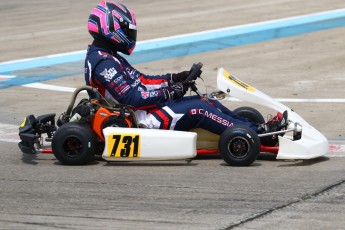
<point>118,81</point>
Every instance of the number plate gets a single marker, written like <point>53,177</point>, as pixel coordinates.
<point>124,145</point>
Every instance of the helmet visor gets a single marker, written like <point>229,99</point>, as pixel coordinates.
<point>129,29</point>
<point>131,33</point>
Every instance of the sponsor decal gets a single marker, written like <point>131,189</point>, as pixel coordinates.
<point>132,73</point>
<point>119,79</point>
<point>154,93</point>
<point>238,82</point>
<point>145,94</point>
<point>148,94</point>
<point>135,83</point>
<point>212,116</point>
<point>108,74</point>
<point>122,89</point>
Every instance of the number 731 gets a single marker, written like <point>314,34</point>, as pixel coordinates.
<point>124,145</point>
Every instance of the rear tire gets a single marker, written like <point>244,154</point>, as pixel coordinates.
<point>239,145</point>
<point>74,143</point>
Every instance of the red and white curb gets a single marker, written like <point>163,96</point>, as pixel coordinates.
<point>9,133</point>
<point>336,150</point>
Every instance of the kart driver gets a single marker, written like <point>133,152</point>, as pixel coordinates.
<point>159,100</point>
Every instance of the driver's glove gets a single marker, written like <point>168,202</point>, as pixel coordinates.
<point>175,91</point>
<point>179,77</point>
<point>182,76</point>
<point>197,75</point>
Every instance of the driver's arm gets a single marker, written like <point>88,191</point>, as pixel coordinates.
<point>131,91</point>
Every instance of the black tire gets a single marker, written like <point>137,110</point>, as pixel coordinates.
<point>239,145</point>
<point>250,114</point>
<point>74,143</point>
<point>255,116</point>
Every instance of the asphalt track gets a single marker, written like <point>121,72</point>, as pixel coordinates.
<point>39,193</point>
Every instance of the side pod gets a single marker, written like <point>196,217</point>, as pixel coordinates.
<point>133,144</point>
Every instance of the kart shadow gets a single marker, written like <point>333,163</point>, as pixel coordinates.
<point>149,163</point>
<point>272,157</point>
<point>218,157</point>
<point>207,157</point>
<point>310,162</point>
<point>267,157</point>
<point>254,164</point>
<point>33,159</point>
<point>291,163</point>
<point>88,164</point>
<point>29,159</point>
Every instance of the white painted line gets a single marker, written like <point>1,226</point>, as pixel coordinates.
<point>9,140</point>
<point>6,128</point>
<point>79,52</point>
<point>296,100</point>
<point>50,87</point>
<point>6,77</point>
<point>312,100</point>
<point>184,39</point>
<point>307,17</point>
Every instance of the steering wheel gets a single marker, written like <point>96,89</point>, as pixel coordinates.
<point>196,67</point>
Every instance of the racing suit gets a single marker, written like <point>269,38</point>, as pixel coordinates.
<point>118,81</point>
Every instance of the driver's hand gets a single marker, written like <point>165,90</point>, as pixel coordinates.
<point>179,77</point>
<point>197,75</point>
<point>175,91</point>
<point>182,76</point>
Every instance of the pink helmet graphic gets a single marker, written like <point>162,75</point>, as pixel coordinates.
<point>114,23</point>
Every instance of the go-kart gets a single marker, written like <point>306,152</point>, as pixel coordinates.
<point>94,127</point>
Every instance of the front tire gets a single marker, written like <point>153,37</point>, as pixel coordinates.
<point>239,145</point>
<point>250,114</point>
<point>255,116</point>
<point>74,143</point>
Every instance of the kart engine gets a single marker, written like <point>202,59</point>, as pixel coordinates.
<point>98,114</point>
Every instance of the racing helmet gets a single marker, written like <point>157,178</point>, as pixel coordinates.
<point>114,24</point>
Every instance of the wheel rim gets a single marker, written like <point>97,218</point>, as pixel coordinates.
<point>238,147</point>
<point>72,147</point>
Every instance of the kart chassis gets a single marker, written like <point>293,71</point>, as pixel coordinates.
<point>300,145</point>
